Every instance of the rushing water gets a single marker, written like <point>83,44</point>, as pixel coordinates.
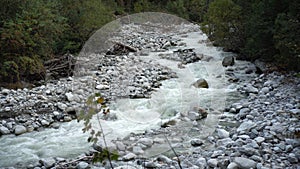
<point>134,116</point>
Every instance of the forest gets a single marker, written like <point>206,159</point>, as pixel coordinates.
<point>34,31</point>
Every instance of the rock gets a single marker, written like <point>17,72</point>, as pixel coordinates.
<point>45,123</point>
<point>222,133</point>
<point>265,90</point>
<point>260,66</point>
<point>120,146</point>
<point>228,61</point>
<point>125,167</point>
<point>149,164</point>
<point>196,142</point>
<point>250,89</point>
<point>201,163</point>
<point>158,140</point>
<point>4,130</point>
<point>102,87</point>
<point>82,165</point>
<point>70,97</point>
<point>137,150</point>
<point>67,118</point>
<point>200,83</point>
<point>246,126</point>
<point>232,165</point>
<point>244,163</point>
<point>164,159</point>
<point>56,113</point>
<point>293,158</point>
<point>129,156</point>
<point>48,162</point>
<point>259,140</point>
<point>19,129</point>
<point>146,141</point>
<point>5,91</point>
<point>212,163</point>
<point>193,115</point>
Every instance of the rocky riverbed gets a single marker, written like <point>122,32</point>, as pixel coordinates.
<point>259,131</point>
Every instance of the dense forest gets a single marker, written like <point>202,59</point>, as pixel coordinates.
<point>34,31</point>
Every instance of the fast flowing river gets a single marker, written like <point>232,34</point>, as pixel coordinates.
<point>134,115</point>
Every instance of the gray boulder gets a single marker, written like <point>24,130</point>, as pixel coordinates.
<point>200,83</point>
<point>244,163</point>
<point>228,61</point>
<point>4,130</point>
<point>19,129</point>
<point>48,162</point>
<point>82,165</point>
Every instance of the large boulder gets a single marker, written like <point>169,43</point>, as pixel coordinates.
<point>245,163</point>
<point>200,83</point>
<point>228,61</point>
<point>19,129</point>
<point>261,67</point>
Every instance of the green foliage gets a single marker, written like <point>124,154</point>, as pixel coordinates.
<point>104,155</point>
<point>83,19</point>
<point>177,7</point>
<point>287,41</point>
<point>196,9</point>
<point>267,29</point>
<point>142,6</point>
<point>28,39</point>
<point>222,23</point>
<point>96,104</point>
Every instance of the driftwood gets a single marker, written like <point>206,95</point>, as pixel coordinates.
<point>120,49</point>
<point>60,67</point>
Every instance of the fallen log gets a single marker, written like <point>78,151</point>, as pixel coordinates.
<point>120,49</point>
<point>60,67</point>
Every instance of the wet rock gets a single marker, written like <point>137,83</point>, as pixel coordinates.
<point>265,90</point>
<point>45,123</point>
<point>245,163</point>
<point>164,159</point>
<point>212,163</point>
<point>19,129</point>
<point>67,118</point>
<point>4,130</point>
<point>200,83</point>
<point>48,162</point>
<point>260,66</point>
<point>82,165</point>
<point>201,163</point>
<point>150,164</point>
<point>221,133</point>
<point>146,141</point>
<point>129,156</point>
<point>137,150</point>
<point>250,89</point>
<point>233,165</point>
<point>196,142</point>
<point>228,61</point>
<point>120,146</point>
<point>246,126</point>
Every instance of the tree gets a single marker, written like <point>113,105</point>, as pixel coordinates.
<point>223,24</point>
